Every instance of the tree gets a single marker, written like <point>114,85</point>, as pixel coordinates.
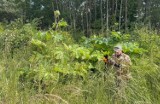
<point>85,15</point>
<point>120,14</point>
<point>126,13</point>
<point>9,10</point>
<point>107,16</point>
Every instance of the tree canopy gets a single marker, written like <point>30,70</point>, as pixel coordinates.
<point>86,15</point>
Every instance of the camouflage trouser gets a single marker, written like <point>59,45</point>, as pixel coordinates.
<point>121,84</point>
<point>122,80</point>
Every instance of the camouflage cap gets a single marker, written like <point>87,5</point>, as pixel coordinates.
<point>117,48</point>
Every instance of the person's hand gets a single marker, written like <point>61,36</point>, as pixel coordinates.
<point>117,65</point>
<point>105,60</point>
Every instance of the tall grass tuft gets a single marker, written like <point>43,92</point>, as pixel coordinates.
<point>38,67</point>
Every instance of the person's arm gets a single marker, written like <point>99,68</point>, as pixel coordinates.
<point>112,62</point>
<point>127,62</point>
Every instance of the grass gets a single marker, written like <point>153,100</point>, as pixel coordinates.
<point>27,77</point>
<point>97,88</point>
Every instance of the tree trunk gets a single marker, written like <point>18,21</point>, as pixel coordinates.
<point>87,32</point>
<point>112,7</point>
<point>116,9</point>
<point>101,9</point>
<point>53,6</point>
<point>74,20</point>
<point>95,10</point>
<point>90,16</point>
<point>70,11</point>
<point>139,7</point>
<point>57,5</point>
<point>126,13</point>
<point>82,22</point>
<point>149,14</point>
<point>120,14</point>
<point>107,17</point>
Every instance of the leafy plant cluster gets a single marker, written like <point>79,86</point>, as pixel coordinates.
<point>37,64</point>
<point>55,52</point>
<point>115,38</point>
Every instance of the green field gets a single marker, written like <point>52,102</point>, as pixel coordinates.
<point>51,51</point>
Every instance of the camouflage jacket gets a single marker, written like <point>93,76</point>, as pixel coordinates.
<point>124,63</point>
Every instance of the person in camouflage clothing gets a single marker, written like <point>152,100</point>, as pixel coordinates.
<point>121,62</point>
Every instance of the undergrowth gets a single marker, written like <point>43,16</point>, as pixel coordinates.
<point>46,67</point>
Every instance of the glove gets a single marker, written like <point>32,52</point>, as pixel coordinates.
<point>117,65</point>
<point>105,60</point>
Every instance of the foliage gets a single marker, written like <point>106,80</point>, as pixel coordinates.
<point>132,48</point>
<point>81,15</point>
<point>56,13</point>
<point>50,67</point>
<point>107,44</point>
<point>61,24</point>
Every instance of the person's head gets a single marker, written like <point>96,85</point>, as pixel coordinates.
<point>118,50</point>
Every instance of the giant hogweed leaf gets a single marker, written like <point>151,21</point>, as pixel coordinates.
<point>116,35</point>
<point>1,28</point>
<point>81,52</point>
<point>62,23</point>
<point>99,43</point>
<point>59,55</point>
<point>58,37</point>
<point>38,45</point>
<point>67,47</point>
<point>96,55</point>
<point>133,48</point>
<point>48,36</point>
